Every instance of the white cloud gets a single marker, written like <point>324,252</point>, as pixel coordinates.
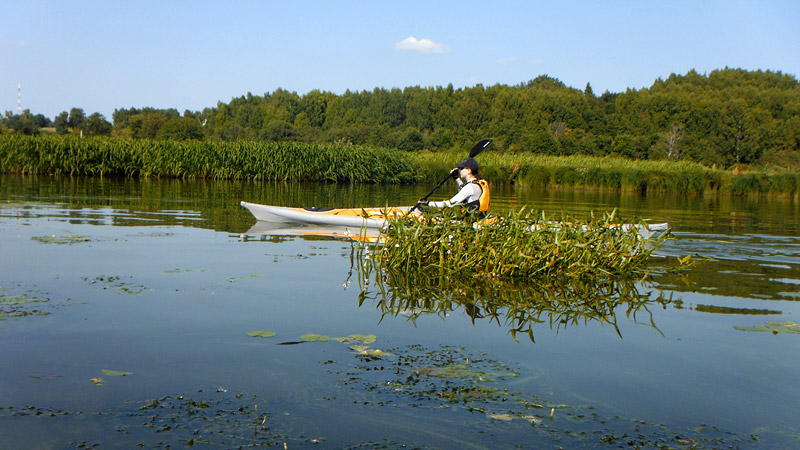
<point>423,45</point>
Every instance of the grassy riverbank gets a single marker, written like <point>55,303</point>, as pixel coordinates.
<point>613,173</point>
<point>285,161</point>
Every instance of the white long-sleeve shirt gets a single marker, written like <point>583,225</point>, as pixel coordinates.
<point>467,192</point>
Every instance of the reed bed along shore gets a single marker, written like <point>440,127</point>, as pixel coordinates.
<point>290,161</point>
<point>285,161</point>
<point>613,173</point>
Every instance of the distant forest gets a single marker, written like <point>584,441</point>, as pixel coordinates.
<point>725,118</point>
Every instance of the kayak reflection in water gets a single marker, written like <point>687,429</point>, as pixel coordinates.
<point>473,192</point>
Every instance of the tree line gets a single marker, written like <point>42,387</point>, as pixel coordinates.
<point>724,118</point>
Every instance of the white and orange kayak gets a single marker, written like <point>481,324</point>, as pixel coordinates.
<point>343,217</point>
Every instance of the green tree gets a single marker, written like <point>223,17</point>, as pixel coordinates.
<point>150,124</point>
<point>61,123</point>
<point>278,130</point>
<point>543,142</point>
<point>314,106</point>
<point>25,123</point>
<point>412,140</point>
<point>97,125</point>
<point>180,129</point>
<point>77,118</point>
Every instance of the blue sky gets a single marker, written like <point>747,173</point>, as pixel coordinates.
<point>103,55</point>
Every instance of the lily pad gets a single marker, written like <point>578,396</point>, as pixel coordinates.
<point>116,373</point>
<point>364,339</point>
<point>262,333</point>
<point>311,337</point>
<point>255,275</point>
<point>69,239</point>
<point>359,347</point>
<point>774,327</point>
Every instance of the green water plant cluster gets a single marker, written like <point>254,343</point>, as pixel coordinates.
<point>240,160</point>
<point>480,401</point>
<point>65,239</point>
<point>20,305</point>
<point>774,327</point>
<point>519,245</point>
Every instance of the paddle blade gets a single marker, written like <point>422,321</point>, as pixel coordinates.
<point>479,147</point>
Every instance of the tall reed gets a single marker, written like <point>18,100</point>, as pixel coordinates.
<point>212,160</point>
<point>613,173</point>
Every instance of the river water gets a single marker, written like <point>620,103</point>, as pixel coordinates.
<point>126,307</point>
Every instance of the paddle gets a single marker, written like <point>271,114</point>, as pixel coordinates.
<point>476,150</point>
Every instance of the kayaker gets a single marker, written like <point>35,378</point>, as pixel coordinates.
<point>473,192</point>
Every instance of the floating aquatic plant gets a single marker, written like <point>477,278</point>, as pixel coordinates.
<point>363,338</point>
<point>19,306</point>
<point>418,382</point>
<point>518,245</point>
<point>262,334</point>
<point>66,239</point>
<point>774,327</point>
<point>116,373</point>
<point>310,337</point>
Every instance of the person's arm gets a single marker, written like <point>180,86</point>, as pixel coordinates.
<point>460,197</point>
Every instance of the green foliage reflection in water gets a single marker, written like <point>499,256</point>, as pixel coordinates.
<point>517,305</point>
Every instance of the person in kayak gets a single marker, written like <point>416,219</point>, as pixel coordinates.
<point>473,192</point>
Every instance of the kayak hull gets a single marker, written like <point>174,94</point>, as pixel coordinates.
<point>343,217</point>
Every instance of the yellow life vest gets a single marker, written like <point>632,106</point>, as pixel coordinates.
<point>482,204</point>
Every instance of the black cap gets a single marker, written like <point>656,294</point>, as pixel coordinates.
<point>469,163</point>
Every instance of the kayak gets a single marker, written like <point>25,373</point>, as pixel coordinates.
<point>343,217</point>
<point>378,218</point>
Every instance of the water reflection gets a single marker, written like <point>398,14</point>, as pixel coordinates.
<point>751,244</point>
<point>516,306</point>
<point>743,266</point>
<point>194,203</point>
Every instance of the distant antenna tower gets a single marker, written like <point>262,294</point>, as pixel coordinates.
<point>19,99</point>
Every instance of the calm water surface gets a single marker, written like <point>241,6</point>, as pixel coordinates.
<point>161,280</point>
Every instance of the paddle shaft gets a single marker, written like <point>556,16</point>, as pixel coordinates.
<point>476,150</point>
